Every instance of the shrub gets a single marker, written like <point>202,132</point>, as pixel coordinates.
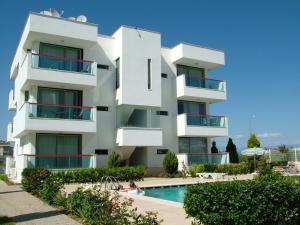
<point>231,149</point>
<point>230,169</point>
<point>170,163</point>
<point>214,148</point>
<point>51,190</point>
<point>114,160</point>
<point>101,208</point>
<point>4,178</point>
<point>253,141</point>
<point>33,178</point>
<point>266,200</point>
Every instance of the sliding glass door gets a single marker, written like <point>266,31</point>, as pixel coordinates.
<point>194,77</point>
<point>57,103</point>
<point>57,151</point>
<point>60,57</point>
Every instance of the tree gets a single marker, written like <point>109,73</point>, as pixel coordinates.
<point>214,148</point>
<point>253,142</point>
<point>170,163</point>
<point>114,160</point>
<point>231,149</point>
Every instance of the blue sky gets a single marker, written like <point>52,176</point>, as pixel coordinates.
<point>261,40</point>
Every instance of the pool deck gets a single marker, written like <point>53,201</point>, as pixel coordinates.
<point>171,212</point>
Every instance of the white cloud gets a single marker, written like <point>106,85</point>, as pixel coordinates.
<point>238,136</point>
<point>268,135</point>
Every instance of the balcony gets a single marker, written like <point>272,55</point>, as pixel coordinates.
<point>37,117</point>
<point>195,125</point>
<point>60,161</point>
<point>195,88</point>
<point>11,101</point>
<point>138,127</point>
<point>57,71</point>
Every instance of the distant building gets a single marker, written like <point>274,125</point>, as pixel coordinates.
<point>5,150</point>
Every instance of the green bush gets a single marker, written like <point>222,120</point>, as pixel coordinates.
<point>230,169</point>
<point>93,175</point>
<point>114,160</point>
<point>51,190</point>
<point>269,199</point>
<point>170,163</point>
<point>33,178</point>
<point>102,208</point>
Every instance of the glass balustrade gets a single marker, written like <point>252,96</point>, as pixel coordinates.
<point>65,64</point>
<point>218,158</point>
<point>38,110</point>
<point>201,82</point>
<point>128,116</point>
<point>205,120</point>
<point>63,161</point>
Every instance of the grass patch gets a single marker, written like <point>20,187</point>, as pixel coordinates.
<point>6,221</point>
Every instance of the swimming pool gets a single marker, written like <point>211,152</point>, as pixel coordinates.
<point>171,193</point>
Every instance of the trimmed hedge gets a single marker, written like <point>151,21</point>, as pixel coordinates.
<point>93,175</point>
<point>263,201</point>
<point>33,177</point>
<point>230,169</point>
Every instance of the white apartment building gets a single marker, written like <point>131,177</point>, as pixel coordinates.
<point>78,95</point>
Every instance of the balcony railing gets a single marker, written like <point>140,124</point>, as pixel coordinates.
<point>205,120</point>
<point>64,64</point>
<point>207,158</point>
<point>201,82</point>
<point>60,161</point>
<point>56,111</point>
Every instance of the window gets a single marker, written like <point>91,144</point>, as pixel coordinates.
<point>117,73</point>
<point>193,145</point>
<point>164,75</point>
<point>162,151</point>
<point>149,75</point>
<point>101,151</point>
<point>162,113</point>
<point>104,67</point>
<point>102,108</point>
<point>26,96</point>
<point>191,107</point>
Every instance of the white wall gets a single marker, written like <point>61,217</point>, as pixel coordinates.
<point>137,46</point>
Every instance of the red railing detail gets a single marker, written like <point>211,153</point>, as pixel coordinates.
<point>202,78</point>
<point>61,57</point>
<point>61,105</point>
<point>203,115</point>
<point>60,155</point>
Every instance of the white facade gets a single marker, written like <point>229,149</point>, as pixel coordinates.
<point>126,88</point>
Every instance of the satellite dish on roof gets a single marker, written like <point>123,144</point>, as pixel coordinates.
<point>47,13</point>
<point>72,18</point>
<point>81,18</point>
<point>55,13</point>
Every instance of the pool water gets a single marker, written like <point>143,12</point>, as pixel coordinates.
<point>171,193</point>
